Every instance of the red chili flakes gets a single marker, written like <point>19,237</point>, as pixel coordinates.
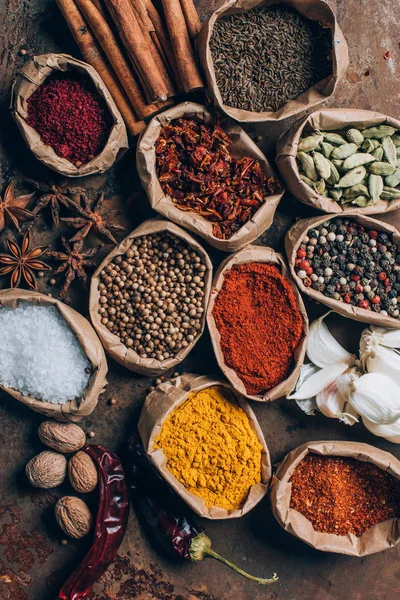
<point>387,55</point>
<point>197,171</point>
<point>343,495</point>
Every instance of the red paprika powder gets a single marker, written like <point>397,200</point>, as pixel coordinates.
<point>260,325</point>
<point>70,118</point>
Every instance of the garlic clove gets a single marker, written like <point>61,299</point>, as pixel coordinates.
<point>389,337</point>
<point>332,401</point>
<point>385,361</point>
<point>322,348</point>
<point>376,397</point>
<point>389,431</point>
<point>317,381</point>
<point>308,405</point>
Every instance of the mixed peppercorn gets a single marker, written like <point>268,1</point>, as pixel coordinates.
<point>349,263</point>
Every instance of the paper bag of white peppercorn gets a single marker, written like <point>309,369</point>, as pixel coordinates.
<point>379,537</point>
<point>113,345</point>
<point>77,408</point>
<point>334,119</point>
<point>316,10</point>
<point>160,404</point>
<point>242,145</point>
<point>30,77</point>
<point>293,240</point>
<point>247,255</point>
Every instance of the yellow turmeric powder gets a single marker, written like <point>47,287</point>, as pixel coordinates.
<point>211,448</point>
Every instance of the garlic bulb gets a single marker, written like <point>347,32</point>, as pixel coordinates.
<point>378,353</point>
<point>389,431</point>
<point>376,397</point>
<point>322,348</point>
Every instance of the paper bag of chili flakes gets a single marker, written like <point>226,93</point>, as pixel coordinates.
<point>30,77</point>
<point>316,10</point>
<point>127,357</point>
<point>293,240</point>
<point>75,409</point>
<point>248,255</point>
<point>242,145</point>
<point>160,404</point>
<point>334,119</point>
<point>379,537</point>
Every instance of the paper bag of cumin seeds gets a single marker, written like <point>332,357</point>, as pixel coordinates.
<point>379,537</point>
<point>293,240</point>
<point>127,357</point>
<point>316,10</point>
<point>266,255</point>
<point>29,78</point>
<point>160,404</point>
<point>75,409</point>
<point>242,145</point>
<point>334,119</point>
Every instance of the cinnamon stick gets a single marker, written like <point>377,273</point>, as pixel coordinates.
<point>191,17</point>
<point>92,54</point>
<point>181,45</point>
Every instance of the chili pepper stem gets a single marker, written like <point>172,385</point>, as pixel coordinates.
<point>200,548</point>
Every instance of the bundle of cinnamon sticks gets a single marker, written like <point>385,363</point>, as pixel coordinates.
<point>145,58</point>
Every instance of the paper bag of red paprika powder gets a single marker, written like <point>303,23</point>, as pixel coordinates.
<point>379,537</point>
<point>334,119</point>
<point>247,255</point>
<point>293,240</point>
<point>242,145</point>
<point>75,409</point>
<point>30,77</point>
<point>316,10</point>
<point>160,404</point>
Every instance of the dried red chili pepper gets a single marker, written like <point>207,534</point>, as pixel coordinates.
<point>197,171</point>
<point>110,528</point>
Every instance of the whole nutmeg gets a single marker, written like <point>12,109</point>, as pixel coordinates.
<point>46,470</point>
<point>73,516</point>
<point>82,473</point>
<point>63,437</point>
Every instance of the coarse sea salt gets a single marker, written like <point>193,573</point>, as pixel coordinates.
<point>40,355</point>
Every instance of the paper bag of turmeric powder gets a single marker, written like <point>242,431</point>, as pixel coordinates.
<point>127,357</point>
<point>242,145</point>
<point>293,240</point>
<point>379,537</point>
<point>160,404</point>
<point>77,408</point>
<point>30,77</point>
<point>247,255</point>
<point>316,10</point>
<point>333,119</point>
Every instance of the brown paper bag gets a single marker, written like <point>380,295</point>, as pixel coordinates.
<point>75,409</point>
<point>242,145</point>
<point>162,402</point>
<point>292,242</point>
<point>266,255</point>
<point>30,77</point>
<point>379,537</point>
<point>316,10</point>
<point>327,120</point>
<point>112,344</point>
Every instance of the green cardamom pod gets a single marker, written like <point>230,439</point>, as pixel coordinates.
<point>389,150</point>
<point>310,143</point>
<point>375,187</point>
<point>307,181</point>
<point>398,151</point>
<point>322,165</point>
<point>396,140</point>
<point>381,168</point>
<point>379,132</point>
<point>334,176</point>
<point>333,138</point>
<point>362,201</point>
<point>356,190</point>
<point>393,180</point>
<point>320,186</point>
<point>356,160</point>
<point>378,154</point>
<point>368,146</point>
<point>338,163</point>
<point>308,166</point>
<point>354,136</point>
<point>352,178</point>
<point>390,193</point>
<point>336,194</point>
<point>326,149</point>
<point>344,151</point>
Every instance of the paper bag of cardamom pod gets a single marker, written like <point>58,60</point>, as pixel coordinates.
<point>248,255</point>
<point>315,10</point>
<point>31,76</point>
<point>77,408</point>
<point>334,119</point>
<point>379,537</point>
<point>293,240</point>
<point>242,145</point>
<point>160,403</point>
<point>113,345</point>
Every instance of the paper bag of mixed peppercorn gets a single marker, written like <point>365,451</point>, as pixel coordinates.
<point>345,128</point>
<point>223,477</point>
<point>67,116</point>
<point>339,497</point>
<point>270,60</point>
<point>349,262</point>
<point>207,176</point>
<point>77,408</point>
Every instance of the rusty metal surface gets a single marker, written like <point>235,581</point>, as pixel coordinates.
<point>31,558</point>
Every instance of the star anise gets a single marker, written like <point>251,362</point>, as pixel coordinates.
<point>74,261</point>
<point>88,218</point>
<point>13,209</point>
<point>22,262</point>
<point>56,196</point>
